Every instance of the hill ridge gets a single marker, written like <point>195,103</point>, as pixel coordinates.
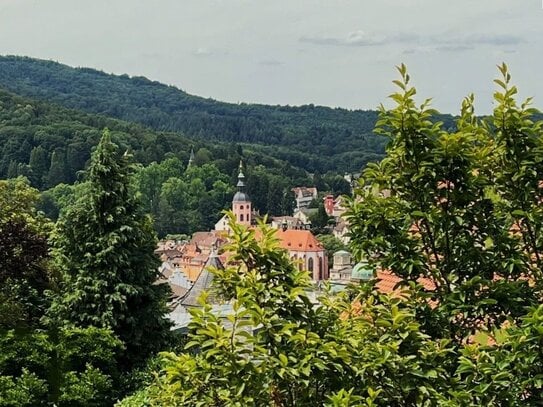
<point>315,138</point>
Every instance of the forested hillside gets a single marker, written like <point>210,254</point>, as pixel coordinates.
<point>50,145</point>
<point>315,138</point>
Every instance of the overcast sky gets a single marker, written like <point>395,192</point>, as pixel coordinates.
<point>333,52</point>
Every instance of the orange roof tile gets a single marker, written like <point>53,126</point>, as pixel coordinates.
<point>387,282</point>
<point>299,240</point>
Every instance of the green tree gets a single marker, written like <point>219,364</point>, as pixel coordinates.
<point>437,206</point>
<point>202,156</point>
<point>275,197</point>
<point>57,169</point>
<point>150,179</point>
<point>173,208</point>
<point>12,169</point>
<point>105,249</point>
<point>441,205</point>
<point>277,348</point>
<point>320,219</point>
<point>24,274</point>
<point>332,244</point>
<point>39,164</point>
<point>40,364</point>
<point>60,197</point>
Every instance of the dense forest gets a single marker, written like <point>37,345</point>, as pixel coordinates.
<point>32,133</point>
<point>50,145</point>
<point>314,138</point>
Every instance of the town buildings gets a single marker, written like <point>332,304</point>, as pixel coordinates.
<point>184,262</point>
<point>304,196</point>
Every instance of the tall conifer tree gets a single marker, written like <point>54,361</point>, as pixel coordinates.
<point>57,170</point>
<point>105,244</point>
<point>39,165</point>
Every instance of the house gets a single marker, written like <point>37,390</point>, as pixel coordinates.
<point>334,206</point>
<point>329,202</point>
<point>222,224</point>
<point>341,231</point>
<point>304,196</point>
<point>188,258</point>
<point>180,315</point>
<point>288,222</point>
<point>175,278</point>
<point>304,214</point>
<point>207,241</point>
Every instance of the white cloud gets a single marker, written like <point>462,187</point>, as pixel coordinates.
<point>270,62</point>
<point>356,38</point>
<point>202,52</point>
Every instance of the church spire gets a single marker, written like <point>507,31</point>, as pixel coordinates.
<point>241,178</point>
<point>191,157</point>
<point>241,203</point>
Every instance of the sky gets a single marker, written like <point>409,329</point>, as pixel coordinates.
<point>339,53</point>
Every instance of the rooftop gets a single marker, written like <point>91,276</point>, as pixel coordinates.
<point>298,240</point>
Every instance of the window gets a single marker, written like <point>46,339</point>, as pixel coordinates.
<point>320,269</point>
<point>310,264</point>
<point>241,207</point>
<point>241,217</point>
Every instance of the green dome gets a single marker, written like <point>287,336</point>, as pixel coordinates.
<point>362,271</point>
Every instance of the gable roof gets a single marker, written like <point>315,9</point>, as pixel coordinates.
<point>299,240</point>
<point>387,281</point>
<point>207,239</point>
<point>303,192</point>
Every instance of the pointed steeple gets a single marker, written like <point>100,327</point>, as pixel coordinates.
<point>191,157</point>
<point>241,178</point>
<point>241,195</point>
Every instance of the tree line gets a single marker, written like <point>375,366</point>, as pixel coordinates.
<point>50,146</point>
<point>314,138</point>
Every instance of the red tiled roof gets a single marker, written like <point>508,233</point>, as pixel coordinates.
<point>387,282</point>
<point>207,239</point>
<point>299,240</point>
<point>170,254</point>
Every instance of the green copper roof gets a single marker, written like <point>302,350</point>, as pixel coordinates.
<point>362,271</point>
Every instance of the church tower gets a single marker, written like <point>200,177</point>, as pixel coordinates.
<point>241,204</point>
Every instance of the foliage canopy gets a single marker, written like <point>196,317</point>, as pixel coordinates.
<point>449,206</point>
<point>104,246</point>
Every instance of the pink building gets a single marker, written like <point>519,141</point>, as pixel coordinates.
<point>241,203</point>
<point>303,247</point>
<point>329,203</point>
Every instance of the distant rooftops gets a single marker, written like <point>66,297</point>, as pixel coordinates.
<point>298,240</point>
